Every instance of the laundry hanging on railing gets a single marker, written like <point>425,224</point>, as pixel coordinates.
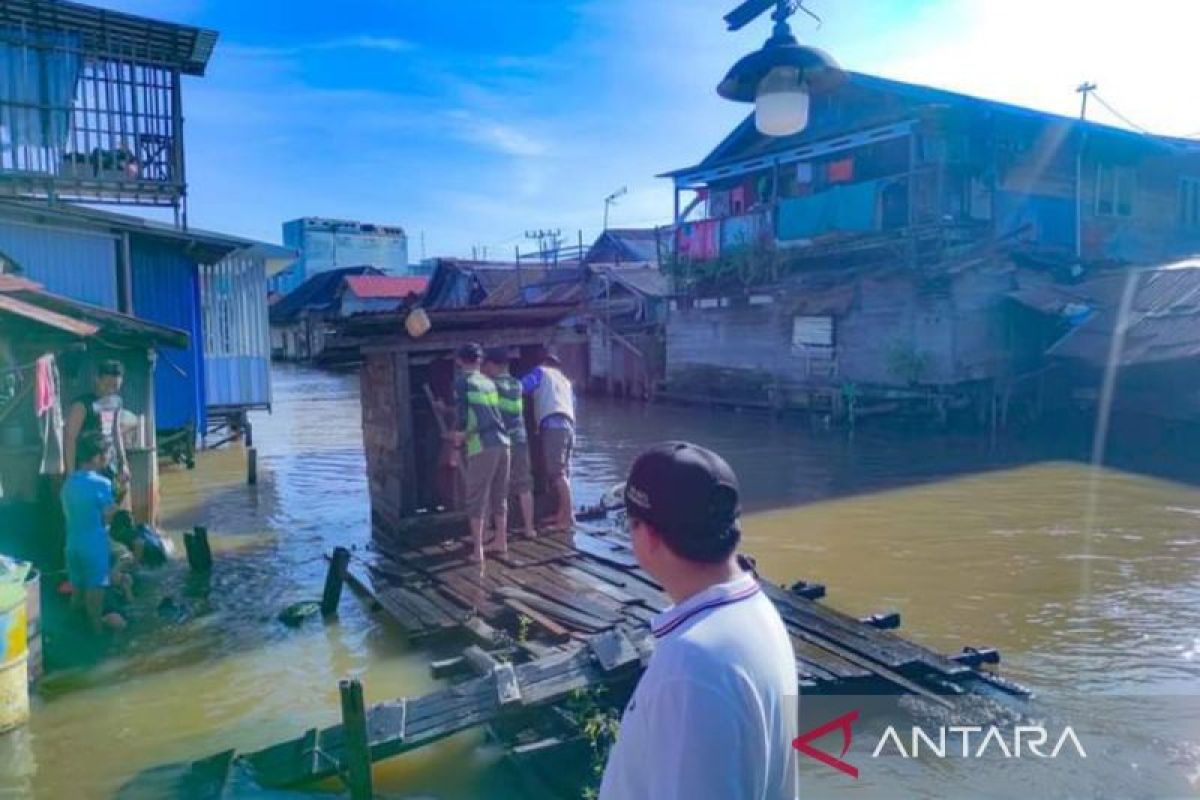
<point>853,207</point>
<point>699,240</point>
<point>745,231</point>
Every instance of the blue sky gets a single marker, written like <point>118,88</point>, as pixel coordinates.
<point>475,121</point>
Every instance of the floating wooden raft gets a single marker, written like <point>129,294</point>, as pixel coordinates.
<point>586,609</point>
<point>574,586</point>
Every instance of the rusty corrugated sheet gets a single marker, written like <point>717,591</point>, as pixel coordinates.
<point>44,316</point>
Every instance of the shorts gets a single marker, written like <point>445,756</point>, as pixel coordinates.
<point>88,570</point>
<point>557,444</point>
<point>487,482</point>
<point>520,472</point>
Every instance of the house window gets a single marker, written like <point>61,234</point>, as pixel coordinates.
<point>810,332</point>
<point>1189,202</point>
<point>1114,191</point>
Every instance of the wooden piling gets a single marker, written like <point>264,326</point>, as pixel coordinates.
<point>252,466</point>
<point>335,578</point>
<point>357,765</point>
<point>199,554</point>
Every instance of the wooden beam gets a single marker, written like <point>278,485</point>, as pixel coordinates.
<point>406,440</point>
<point>357,758</point>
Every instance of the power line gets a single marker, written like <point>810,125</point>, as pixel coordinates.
<point>1119,115</point>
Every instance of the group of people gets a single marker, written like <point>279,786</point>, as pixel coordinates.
<point>714,714</point>
<point>94,493</point>
<point>490,428</point>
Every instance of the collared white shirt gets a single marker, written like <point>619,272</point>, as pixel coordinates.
<point>714,715</point>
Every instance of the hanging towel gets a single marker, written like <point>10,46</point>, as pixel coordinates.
<point>841,171</point>
<point>44,385</point>
<point>50,418</point>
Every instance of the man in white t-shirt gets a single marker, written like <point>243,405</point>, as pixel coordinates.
<point>714,715</point>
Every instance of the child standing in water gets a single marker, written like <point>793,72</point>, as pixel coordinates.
<point>89,503</point>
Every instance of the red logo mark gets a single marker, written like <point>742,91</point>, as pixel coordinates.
<point>845,723</point>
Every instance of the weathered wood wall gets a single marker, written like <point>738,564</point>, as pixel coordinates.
<point>387,437</point>
<point>897,333</point>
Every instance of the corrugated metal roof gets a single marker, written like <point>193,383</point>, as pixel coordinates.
<point>44,316</point>
<point>647,280</point>
<point>112,324</point>
<point>320,292</point>
<point>1163,323</point>
<point>103,31</point>
<point>745,140</point>
<point>386,287</point>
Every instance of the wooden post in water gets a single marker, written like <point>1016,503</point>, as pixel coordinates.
<point>199,554</point>
<point>334,579</point>
<point>251,466</point>
<point>357,766</point>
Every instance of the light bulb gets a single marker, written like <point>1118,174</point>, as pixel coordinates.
<point>781,105</point>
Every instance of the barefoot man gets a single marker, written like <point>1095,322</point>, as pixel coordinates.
<point>480,428</point>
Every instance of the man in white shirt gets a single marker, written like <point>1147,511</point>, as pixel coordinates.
<point>714,715</point>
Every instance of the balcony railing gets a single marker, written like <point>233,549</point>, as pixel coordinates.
<point>78,125</point>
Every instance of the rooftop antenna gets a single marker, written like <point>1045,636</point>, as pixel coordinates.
<point>611,200</point>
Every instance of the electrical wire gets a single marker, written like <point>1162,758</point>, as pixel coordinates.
<point>1119,115</point>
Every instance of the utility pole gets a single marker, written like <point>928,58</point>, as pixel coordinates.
<point>1084,89</point>
<point>548,242</point>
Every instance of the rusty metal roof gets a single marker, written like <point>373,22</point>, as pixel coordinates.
<point>42,316</point>
<point>24,298</point>
<point>1162,324</point>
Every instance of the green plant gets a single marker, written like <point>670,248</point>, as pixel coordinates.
<point>598,722</point>
<point>523,625</point>
<point>908,363</point>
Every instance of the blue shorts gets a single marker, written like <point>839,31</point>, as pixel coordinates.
<point>88,570</point>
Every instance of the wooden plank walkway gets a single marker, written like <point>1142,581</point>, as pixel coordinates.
<point>577,585</point>
<point>587,609</point>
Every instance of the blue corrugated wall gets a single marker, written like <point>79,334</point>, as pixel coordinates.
<point>76,264</point>
<point>166,289</point>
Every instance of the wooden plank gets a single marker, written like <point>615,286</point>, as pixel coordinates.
<point>565,614</point>
<point>604,550</point>
<point>508,691</point>
<point>538,584</point>
<point>546,623</point>
<point>643,593</point>
<point>826,665</point>
<point>556,574</point>
<point>879,645</point>
<point>597,584</point>
<point>613,650</point>
<point>890,676</point>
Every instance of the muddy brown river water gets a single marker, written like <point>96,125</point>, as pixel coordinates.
<point>1087,580</point>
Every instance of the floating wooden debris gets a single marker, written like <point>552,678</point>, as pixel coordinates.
<point>580,608</point>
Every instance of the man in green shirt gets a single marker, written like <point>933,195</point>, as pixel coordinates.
<point>512,409</point>
<point>480,429</point>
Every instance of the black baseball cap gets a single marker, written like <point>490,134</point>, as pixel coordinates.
<point>110,367</point>
<point>471,351</point>
<point>497,355</point>
<point>691,497</point>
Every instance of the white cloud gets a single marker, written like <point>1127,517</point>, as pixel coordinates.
<point>499,137</point>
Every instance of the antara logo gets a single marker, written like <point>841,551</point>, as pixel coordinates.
<point>1025,739</point>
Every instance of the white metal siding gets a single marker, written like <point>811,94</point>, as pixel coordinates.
<point>237,341</point>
